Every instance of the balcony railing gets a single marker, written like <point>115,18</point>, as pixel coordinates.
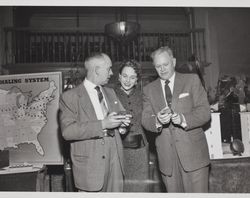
<point>25,45</point>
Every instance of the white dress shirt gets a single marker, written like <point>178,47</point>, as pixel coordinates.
<point>171,86</point>
<point>92,92</point>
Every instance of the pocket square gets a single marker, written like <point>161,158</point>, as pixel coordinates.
<point>182,95</point>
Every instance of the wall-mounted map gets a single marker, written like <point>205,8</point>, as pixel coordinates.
<point>28,117</point>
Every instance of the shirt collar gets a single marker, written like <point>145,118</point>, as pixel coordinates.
<point>89,84</point>
<point>171,80</point>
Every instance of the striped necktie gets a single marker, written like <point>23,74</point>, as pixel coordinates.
<point>168,93</point>
<point>102,102</point>
<point>104,109</point>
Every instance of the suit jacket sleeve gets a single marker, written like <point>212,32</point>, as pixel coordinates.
<point>75,124</point>
<point>200,113</point>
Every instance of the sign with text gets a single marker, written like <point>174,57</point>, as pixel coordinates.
<point>29,128</point>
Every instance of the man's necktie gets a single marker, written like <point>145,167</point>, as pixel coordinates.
<point>102,102</point>
<point>104,109</point>
<point>168,93</point>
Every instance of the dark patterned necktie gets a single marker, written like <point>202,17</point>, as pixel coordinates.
<point>168,93</point>
<point>102,102</point>
<point>104,109</point>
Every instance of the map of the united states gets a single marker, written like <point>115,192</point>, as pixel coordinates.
<point>22,117</point>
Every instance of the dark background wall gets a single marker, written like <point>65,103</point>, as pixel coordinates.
<point>233,29</point>
<point>227,29</point>
<point>227,41</point>
<point>94,18</point>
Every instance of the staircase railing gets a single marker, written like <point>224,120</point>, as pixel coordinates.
<point>26,45</point>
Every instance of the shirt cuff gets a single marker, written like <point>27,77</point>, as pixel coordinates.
<point>183,123</point>
<point>158,125</point>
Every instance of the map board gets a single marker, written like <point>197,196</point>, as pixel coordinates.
<point>29,127</point>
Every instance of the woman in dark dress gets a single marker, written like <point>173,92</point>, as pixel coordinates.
<point>134,141</point>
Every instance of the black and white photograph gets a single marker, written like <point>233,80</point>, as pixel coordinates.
<point>140,99</point>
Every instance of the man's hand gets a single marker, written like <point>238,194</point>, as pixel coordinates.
<point>113,121</point>
<point>164,116</point>
<point>176,118</point>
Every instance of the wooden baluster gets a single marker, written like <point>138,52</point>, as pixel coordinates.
<point>128,50</point>
<point>35,48</point>
<point>150,41</point>
<point>134,50</point>
<point>42,47</point>
<point>70,48</point>
<point>94,47</point>
<point>177,54</point>
<point>59,47</point>
<point>100,42</point>
<point>145,42</point>
<point>189,41</point>
<point>22,47</point>
<point>117,45</point>
<point>17,41</point>
<point>204,47</point>
<point>29,42</point>
<point>83,44</point>
<point>105,44</point>
<point>88,44</point>
<point>197,45</point>
<point>36,34</point>
<point>194,43</point>
<point>48,47</point>
<point>174,45</point>
<point>12,53</point>
<point>79,54</point>
<point>179,49</point>
<point>38,46</point>
<point>76,52</point>
<point>161,39</point>
<point>186,46</point>
<point>53,47</point>
<point>144,48</point>
<point>139,48</point>
<point>180,46</point>
<point>7,45</point>
<point>64,47</point>
<point>112,49</point>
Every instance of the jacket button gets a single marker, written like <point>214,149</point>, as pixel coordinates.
<point>103,142</point>
<point>103,157</point>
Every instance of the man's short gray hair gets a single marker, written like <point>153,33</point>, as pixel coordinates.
<point>162,50</point>
<point>89,61</point>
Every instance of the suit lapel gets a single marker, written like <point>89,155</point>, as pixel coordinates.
<point>109,99</point>
<point>86,103</point>
<point>158,95</point>
<point>178,85</point>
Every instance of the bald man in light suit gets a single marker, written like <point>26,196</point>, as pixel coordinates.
<point>96,153</point>
<point>176,112</point>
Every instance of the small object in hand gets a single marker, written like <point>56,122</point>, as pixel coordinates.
<point>237,147</point>
<point>174,115</point>
<point>166,110</point>
<point>122,113</point>
<point>128,116</point>
<point>122,130</point>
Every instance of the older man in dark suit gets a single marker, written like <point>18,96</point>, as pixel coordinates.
<point>89,120</point>
<point>175,106</point>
